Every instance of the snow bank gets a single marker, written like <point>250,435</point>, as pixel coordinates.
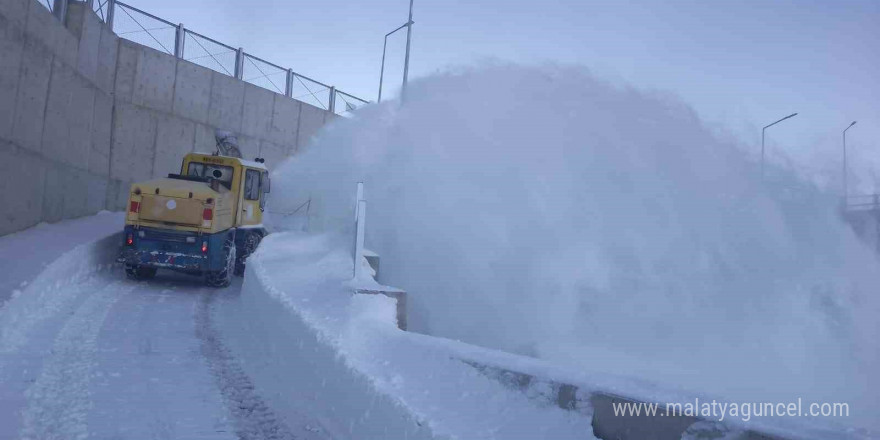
<point>24,254</point>
<point>542,211</point>
<point>50,291</point>
<point>309,345</point>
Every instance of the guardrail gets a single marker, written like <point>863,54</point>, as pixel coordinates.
<point>149,30</point>
<point>869,202</point>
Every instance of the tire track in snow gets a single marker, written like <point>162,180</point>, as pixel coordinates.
<point>253,417</point>
<point>59,401</point>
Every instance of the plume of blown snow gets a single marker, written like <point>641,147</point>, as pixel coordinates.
<point>542,211</point>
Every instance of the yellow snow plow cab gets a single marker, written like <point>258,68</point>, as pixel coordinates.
<point>205,220</point>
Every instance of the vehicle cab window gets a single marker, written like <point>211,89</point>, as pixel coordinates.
<point>252,185</point>
<point>221,173</point>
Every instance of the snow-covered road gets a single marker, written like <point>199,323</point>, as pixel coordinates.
<point>100,356</point>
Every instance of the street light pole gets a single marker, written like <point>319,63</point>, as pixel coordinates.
<point>385,46</point>
<point>762,140</point>
<point>845,192</point>
<point>409,24</point>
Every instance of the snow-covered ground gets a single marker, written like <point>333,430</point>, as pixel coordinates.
<point>87,353</point>
<point>25,254</point>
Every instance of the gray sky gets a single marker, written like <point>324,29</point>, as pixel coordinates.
<point>741,64</point>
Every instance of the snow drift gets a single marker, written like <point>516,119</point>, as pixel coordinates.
<point>541,211</point>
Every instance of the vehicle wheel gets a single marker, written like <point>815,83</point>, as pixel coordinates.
<point>251,241</point>
<point>135,272</point>
<point>223,277</point>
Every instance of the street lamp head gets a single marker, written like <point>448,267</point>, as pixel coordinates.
<point>853,123</point>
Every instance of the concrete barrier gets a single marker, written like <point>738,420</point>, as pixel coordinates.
<point>84,113</point>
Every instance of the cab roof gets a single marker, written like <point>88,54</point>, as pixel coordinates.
<point>243,162</point>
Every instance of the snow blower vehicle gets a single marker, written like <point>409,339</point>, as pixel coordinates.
<point>204,221</point>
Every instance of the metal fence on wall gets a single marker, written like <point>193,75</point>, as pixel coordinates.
<point>174,39</point>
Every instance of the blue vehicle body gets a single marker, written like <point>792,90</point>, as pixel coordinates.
<point>173,249</point>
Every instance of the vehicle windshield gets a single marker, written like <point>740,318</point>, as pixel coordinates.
<point>221,173</point>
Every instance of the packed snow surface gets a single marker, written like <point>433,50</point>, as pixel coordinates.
<point>542,211</point>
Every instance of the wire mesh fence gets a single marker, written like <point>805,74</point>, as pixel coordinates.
<point>264,74</point>
<point>305,89</point>
<point>143,28</point>
<point>345,103</point>
<point>149,30</point>
<point>49,4</point>
<point>101,7</point>
<point>209,53</point>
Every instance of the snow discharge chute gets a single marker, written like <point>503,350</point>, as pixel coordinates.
<point>542,211</point>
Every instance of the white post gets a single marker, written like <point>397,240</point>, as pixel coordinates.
<point>359,239</point>
<point>360,196</point>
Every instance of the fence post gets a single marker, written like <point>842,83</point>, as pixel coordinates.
<point>179,40</point>
<point>239,63</point>
<point>111,9</point>
<point>90,4</point>
<point>288,88</point>
<point>331,105</point>
<point>59,10</point>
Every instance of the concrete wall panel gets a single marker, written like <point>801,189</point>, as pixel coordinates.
<point>79,114</point>
<point>76,197</point>
<point>311,119</point>
<point>204,139</point>
<point>285,122</point>
<point>11,42</point>
<point>273,153</point>
<point>257,111</point>
<point>174,138</point>
<point>53,194</point>
<point>126,68</point>
<point>192,91</point>
<point>249,146</point>
<point>134,137</point>
<point>102,128</point>
<point>21,183</point>
<point>96,193</point>
<point>117,194</point>
<point>56,127</point>
<point>89,32</point>
<point>43,28</point>
<point>227,99</point>
<point>105,74</point>
<point>15,11</point>
<point>154,80</point>
<point>30,101</point>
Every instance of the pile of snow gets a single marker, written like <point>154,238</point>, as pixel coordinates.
<point>313,348</point>
<point>542,211</point>
<point>45,262</point>
<point>24,254</point>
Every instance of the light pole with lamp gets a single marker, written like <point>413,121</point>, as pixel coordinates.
<point>762,140</point>
<point>408,26</point>
<point>384,47</point>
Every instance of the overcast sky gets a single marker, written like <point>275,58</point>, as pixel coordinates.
<point>741,64</point>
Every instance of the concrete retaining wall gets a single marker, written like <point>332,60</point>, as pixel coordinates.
<point>83,113</point>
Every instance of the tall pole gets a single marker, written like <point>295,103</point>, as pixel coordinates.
<point>382,70</point>
<point>409,24</point>
<point>385,46</point>
<point>845,189</point>
<point>762,140</point>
